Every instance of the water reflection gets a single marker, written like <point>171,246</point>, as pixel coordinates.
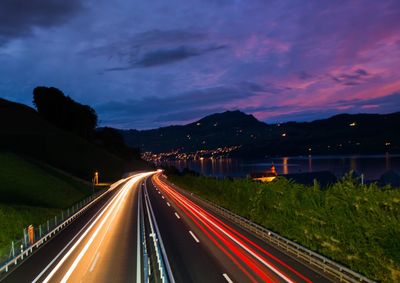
<point>285,167</point>
<point>372,166</point>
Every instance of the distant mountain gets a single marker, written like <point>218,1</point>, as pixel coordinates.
<point>345,133</point>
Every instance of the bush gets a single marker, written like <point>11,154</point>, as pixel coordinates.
<point>356,225</point>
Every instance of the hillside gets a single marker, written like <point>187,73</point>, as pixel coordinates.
<point>343,133</point>
<point>24,132</point>
<point>228,128</point>
<point>32,194</point>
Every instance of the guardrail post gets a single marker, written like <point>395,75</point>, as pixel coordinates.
<point>13,249</point>
<point>25,236</point>
<point>40,231</point>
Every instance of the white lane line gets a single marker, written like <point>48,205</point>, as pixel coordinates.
<point>138,251</point>
<point>227,278</point>
<point>233,238</point>
<point>177,215</point>
<point>157,232</point>
<point>162,197</point>
<point>112,203</point>
<point>105,233</point>
<point>94,235</point>
<point>194,237</point>
<point>101,211</point>
<point>168,203</point>
<point>94,262</point>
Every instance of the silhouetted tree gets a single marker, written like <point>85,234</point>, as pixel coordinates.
<point>114,142</point>
<point>65,113</point>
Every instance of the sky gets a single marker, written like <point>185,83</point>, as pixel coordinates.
<point>146,64</point>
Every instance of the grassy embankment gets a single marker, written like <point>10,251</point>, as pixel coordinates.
<point>31,194</point>
<point>358,226</point>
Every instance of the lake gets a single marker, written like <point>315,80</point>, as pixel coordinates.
<point>372,166</point>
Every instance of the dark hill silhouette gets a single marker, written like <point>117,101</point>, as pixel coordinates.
<point>63,112</point>
<point>24,132</point>
<point>344,133</point>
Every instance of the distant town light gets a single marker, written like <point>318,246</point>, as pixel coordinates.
<point>198,124</point>
<point>387,143</point>
<point>309,149</point>
<point>353,124</point>
<point>284,135</point>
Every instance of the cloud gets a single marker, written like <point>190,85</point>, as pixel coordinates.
<point>19,17</point>
<point>187,115</point>
<point>389,102</point>
<point>356,77</point>
<point>185,106</point>
<point>167,56</point>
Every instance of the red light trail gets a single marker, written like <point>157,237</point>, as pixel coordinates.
<point>243,252</point>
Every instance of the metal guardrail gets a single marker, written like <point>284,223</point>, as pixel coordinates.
<point>163,265</point>
<point>35,237</point>
<point>337,271</point>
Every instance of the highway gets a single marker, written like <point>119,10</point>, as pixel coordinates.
<point>144,229</point>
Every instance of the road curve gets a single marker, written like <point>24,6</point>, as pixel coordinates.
<point>99,246</point>
<point>214,246</point>
<point>146,216</point>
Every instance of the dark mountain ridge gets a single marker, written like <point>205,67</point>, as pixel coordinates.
<point>343,133</point>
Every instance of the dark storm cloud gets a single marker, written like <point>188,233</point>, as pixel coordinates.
<point>144,40</point>
<point>303,75</point>
<point>167,56</point>
<point>385,104</point>
<point>201,98</point>
<point>19,17</point>
<point>357,77</point>
<point>188,115</point>
<point>390,102</point>
<point>185,106</point>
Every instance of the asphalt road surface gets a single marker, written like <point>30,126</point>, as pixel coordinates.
<point>183,241</point>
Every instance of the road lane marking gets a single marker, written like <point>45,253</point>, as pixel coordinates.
<point>206,219</point>
<point>168,203</point>
<point>162,197</point>
<point>94,262</point>
<point>227,278</point>
<point>94,235</point>
<point>152,220</point>
<point>107,229</point>
<point>113,201</point>
<point>101,211</point>
<point>159,192</point>
<point>177,215</point>
<point>194,237</point>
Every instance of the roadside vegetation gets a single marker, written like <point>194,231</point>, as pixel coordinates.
<point>32,194</point>
<point>353,224</point>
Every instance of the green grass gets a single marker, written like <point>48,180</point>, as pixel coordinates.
<point>25,183</point>
<point>31,194</point>
<point>14,218</point>
<point>358,226</point>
